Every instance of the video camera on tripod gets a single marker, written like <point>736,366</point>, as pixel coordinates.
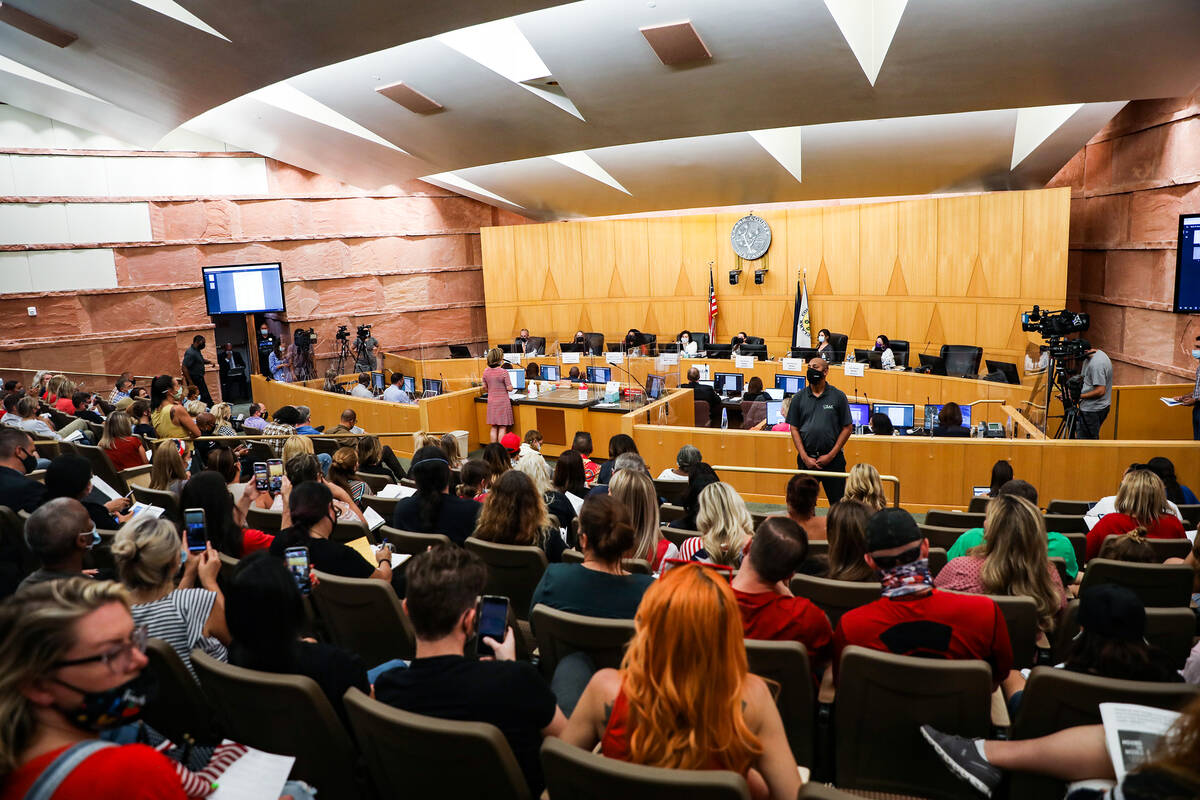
<point>343,333</point>
<point>305,339</point>
<point>364,332</point>
<point>1054,326</point>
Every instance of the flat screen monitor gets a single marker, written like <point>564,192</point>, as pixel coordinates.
<point>728,383</point>
<point>933,409</point>
<point>759,351</point>
<point>790,384</point>
<point>409,385</point>
<point>901,414</point>
<point>517,378</point>
<point>570,347</point>
<point>935,364</point>
<point>719,350</point>
<point>774,412</point>
<point>599,374</point>
<point>1187,268</point>
<point>244,289</point>
<point>550,372</point>
<point>655,384</point>
<point>506,348</point>
<point>872,357</point>
<point>460,351</point>
<point>377,382</point>
<point>668,347</point>
<point>807,353</point>
<point>1005,368</point>
<point>431,386</point>
<point>860,414</point>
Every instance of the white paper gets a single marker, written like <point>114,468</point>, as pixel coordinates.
<point>793,364</point>
<point>1131,732</point>
<point>396,490</point>
<point>397,558</point>
<point>583,394</point>
<point>1170,402</point>
<point>512,358</point>
<point>99,483</point>
<point>533,389</point>
<point>570,358</point>
<point>73,436</point>
<point>743,362</point>
<point>668,360</point>
<point>137,509</point>
<point>614,358</point>
<point>576,502</point>
<point>253,776</point>
<point>853,370</point>
<point>373,518</point>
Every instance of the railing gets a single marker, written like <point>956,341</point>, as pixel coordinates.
<point>73,373</point>
<point>816,473</point>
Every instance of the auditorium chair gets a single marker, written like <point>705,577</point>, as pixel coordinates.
<point>132,475</point>
<point>637,566</point>
<point>364,616</point>
<point>39,475</point>
<point>1079,543</point>
<point>228,565</point>
<point>412,755</point>
<point>1159,585</point>
<point>1060,566</point>
<point>1169,629</point>
<point>560,633</point>
<point>754,412</point>
<point>937,560</point>
<point>962,360</point>
<point>1163,548</point>
<point>539,344</point>
<point>818,547</point>
<point>178,708</point>
<point>1190,514</point>
<point>1055,699</point>
<point>47,448</point>
<point>787,665</point>
<point>162,499</point>
<point>1066,523</point>
<point>900,349</point>
<point>834,597</point>
<point>677,536</point>
<point>374,482</point>
<point>573,773</point>
<point>323,444</point>
<point>264,519</point>
<point>102,467</point>
<point>259,450</point>
<point>409,541</point>
<point>978,505</point>
<point>1072,507</point>
<point>595,343</point>
<point>669,512</point>
<point>384,506</point>
<point>670,491</point>
<point>19,560</point>
<point>348,530</point>
<point>701,340</point>
<point>284,714</point>
<point>839,342</point>
<point>882,701</point>
<point>959,520</point>
<point>1020,615</point>
<point>703,413</point>
<point>514,571</point>
<point>939,536</point>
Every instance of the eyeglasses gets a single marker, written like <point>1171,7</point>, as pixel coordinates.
<point>118,658</point>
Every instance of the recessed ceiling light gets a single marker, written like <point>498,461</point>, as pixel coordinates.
<point>34,26</point>
<point>410,98</point>
<point>676,43</point>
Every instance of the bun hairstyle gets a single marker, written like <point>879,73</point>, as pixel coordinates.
<point>146,551</point>
<point>473,475</point>
<point>608,527</point>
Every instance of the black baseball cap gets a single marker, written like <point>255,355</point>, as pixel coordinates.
<point>891,527</point>
<point>1113,612</point>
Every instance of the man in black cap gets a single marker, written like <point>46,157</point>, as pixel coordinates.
<point>911,618</point>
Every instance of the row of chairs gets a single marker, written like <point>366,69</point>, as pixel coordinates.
<point>1078,508</point>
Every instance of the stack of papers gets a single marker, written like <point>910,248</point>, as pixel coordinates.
<point>396,490</point>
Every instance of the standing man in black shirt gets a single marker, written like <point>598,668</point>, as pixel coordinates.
<point>705,393</point>
<point>193,368</point>
<point>820,422</point>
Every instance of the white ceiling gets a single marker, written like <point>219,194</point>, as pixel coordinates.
<point>942,114</point>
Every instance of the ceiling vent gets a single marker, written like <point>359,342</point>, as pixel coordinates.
<point>676,43</point>
<point>400,92</point>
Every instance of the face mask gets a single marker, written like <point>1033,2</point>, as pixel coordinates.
<point>821,338</point>
<point>263,331</point>
<point>179,394</point>
<point>29,463</point>
<point>112,708</point>
<point>815,376</point>
<point>95,538</point>
<point>879,345</point>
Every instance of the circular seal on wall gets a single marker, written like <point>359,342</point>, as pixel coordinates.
<point>750,237</point>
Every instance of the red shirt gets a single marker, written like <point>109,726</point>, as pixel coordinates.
<point>65,405</point>
<point>129,772</point>
<point>615,743</point>
<point>936,625</point>
<point>1167,526</point>
<point>124,452</point>
<point>767,615</point>
<point>590,471</point>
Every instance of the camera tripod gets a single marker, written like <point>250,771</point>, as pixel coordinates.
<point>1068,391</point>
<point>364,359</point>
<point>303,368</point>
<point>343,355</point>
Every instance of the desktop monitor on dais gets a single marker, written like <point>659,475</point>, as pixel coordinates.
<point>517,378</point>
<point>901,414</point>
<point>860,414</point>
<point>599,374</point>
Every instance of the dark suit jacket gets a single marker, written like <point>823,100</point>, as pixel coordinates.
<point>19,492</point>
<point>708,395</point>
<point>955,431</point>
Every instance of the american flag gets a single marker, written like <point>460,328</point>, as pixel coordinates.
<point>712,308</point>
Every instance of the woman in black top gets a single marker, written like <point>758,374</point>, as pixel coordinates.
<point>71,476</point>
<point>618,445</point>
<point>266,616</point>
<point>825,346</point>
<point>139,412</point>
<point>754,391</point>
<point>701,476</point>
<point>313,514</point>
<point>950,422</point>
<point>433,509</point>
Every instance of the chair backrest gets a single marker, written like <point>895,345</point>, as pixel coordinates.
<point>1169,629</point>
<point>637,566</point>
<point>838,341</point>
<point>1190,513</point>
<point>48,448</point>
<point>158,497</point>
<point>347,530</point>
<point>322,444</point>
<point>834,597</point>
<point>1079,545</point>
<point>703,411</point>
<point>595,342</point>
<point>700,338</point>
<point>1073,507</point>
<point>671,491</point>
<point>1020,615</point>
<point>178,708</point>
<point>264,519</point>
<point>978,505</point>
<point>669,512</point>
<point>384,506</point>
<point>285,714</point>
<point>1163,548</point>
<point>939,536</point>
<point>136,476</point>
<point>102,467</point>
<point>420,756</point>
<point>259,451</point>
<point>677,536</point>
<point>1066,523</point>
<point>1055,699</point>
<point>962,360</point>
<point>786,663</point>
<point>560,633</point>
<point>364,616</point>
<point>513,571</point>
<point>409,541</point>
<point>1162,585</point>
<point>753,412</point>
<point>373,481</point>
<point>573,773</point>
<point>900,349</point>
<point>937,560</point>
<point>953,519</point>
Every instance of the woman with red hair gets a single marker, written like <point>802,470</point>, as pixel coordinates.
<point>684,698</point>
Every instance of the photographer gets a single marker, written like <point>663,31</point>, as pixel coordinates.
<point>1096,395</point>
<point>364,350</point>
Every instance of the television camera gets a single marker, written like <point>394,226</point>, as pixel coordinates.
<point>1054,327</point>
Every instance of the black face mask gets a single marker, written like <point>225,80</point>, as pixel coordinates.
<point>815,376</point>
<point>200,346</point>
<point>29,462</point>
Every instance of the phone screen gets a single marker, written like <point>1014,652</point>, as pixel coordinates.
<point>275,468</point>
<point>492,620</point>
<point>297,564</point>
<point>193,523</point>
<point>261,481</point>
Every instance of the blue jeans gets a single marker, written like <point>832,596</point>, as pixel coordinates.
<point>570,678</point>
<point>374,673</point>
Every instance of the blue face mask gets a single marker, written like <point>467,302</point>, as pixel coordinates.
<point>182,557</point>
<point>1196,354</point>
<point>95,538</point>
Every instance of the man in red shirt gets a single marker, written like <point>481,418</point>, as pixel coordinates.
<point>769,611</point>
<point>914,619</point>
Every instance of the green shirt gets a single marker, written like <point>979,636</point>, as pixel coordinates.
<point>1060,547</point>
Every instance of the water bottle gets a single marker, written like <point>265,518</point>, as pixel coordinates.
<point>724,418</point>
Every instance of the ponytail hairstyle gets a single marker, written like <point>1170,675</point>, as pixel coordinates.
<point>343,467</point>
<point>608,527</point>
<point>724,523</point>
<point>474,477</point>
<point>431,472</point>
<point>160,389</point>
<point>1131,547</point>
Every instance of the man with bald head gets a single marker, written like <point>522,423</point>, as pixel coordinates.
<point>59,533</point>
<point>820,422</point>
<point>705,393</point>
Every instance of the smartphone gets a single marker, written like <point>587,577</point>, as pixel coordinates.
<point>275,469</point>
<point>491,619</point>
<point>261,481</point>
<point>193,524</point>
<point>297,564</point>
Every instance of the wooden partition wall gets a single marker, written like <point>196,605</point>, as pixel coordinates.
<point>955,270</point>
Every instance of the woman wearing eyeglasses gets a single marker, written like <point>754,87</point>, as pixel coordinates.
<point>71,666</point>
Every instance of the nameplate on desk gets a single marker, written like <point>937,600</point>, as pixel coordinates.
<point>668,360</point>
<point>853,369</point>
<point>743,362</point>
<point>793,364</point>
<point>570,358</point>
<point>512,358</point>
<point>583,394</point>
<point>614,358</point>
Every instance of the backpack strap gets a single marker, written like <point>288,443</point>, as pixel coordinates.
<point>52,777</point>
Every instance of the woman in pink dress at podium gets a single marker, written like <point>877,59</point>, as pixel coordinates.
<point>499,407</point>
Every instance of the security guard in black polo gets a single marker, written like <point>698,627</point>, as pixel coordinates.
<point>820,422</point>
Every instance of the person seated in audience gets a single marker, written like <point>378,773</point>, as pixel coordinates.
<point>846,529</point>
<point>1002,473</point>
<point>769,610</point>
<point>557,504</point>
<point>699,479</point>
<point>1011,561</point>
<point>39,428</point>
<point>881,425</point>
<point>953,626</point>
<point>71,476</point>
<point>713,714</point>
<point>222,461</point>
<point>617,445</point>
<point>687,457</point>
<point>167,470</point>
<point>582,444</point>
<point>224,521</point>
<point>11,417</point>
<point>1141,503</point>
<point>444,584</point>
<point>121,388</point>
<point>18,457</point>
<point>207,424</point>
<point>64,400</point>
<point>223,420</point>
<point>395,393</point>
<point>725,528</point>
<point>635,491</point>
<point>825,346</point>
<point>84,408</point>
<point>139,414</point>
<point>449,445</point>
<point>283,426</point>
<point>279,365</point>
<point>342,468</point>
<point>72,657</point>
<point>754,391</point>
<point>865,486</point>
<point>1131,547</point>
<point>801,500</point>
<point>884,348</point>
<point>1078,754</point>
<point>171,420</point>
<point>1176,492</point>
<point>531,444</point>
<point>569,474</point>
<point>140,393</point>
<point>373,458</point>
<point>514,513</point>
<point>265,614</point>
<point>782,426</point>
<point>433,509</point>
<point>59,533</point>
<point>308,466</point>
<point>512,446</point>
<point>304,426</point>
<point>474,478</point>
<point>703,393</point>
<point>256,417</point>
<point>311,515</point>
<point>686,346</point>
<point>362,387</point>
<point>1057,545</point>
<point>347,423</point>
<point>497,457</point>
<point>331,384</point>
<point>147,552</point>
<point>625,461</point>
<point>950,422</point>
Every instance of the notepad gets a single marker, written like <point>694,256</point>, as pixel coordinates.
<point>374,520</point>
<point>396,490</point>
<point>255,775</point>
<point>102,485</point>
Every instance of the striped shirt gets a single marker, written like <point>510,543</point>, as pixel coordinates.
<point>179,619</point>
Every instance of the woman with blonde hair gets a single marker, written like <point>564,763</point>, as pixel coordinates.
<point>634,490</point>
<point>557,504</point>
<point>684,697</point>
<point>223,414</point>
<point>294,445</point>
<point>123,449</point>
<point>1141,503</point>
<point>63,401</point>
<point>864,486</point>
<point>515,513</point>
<point>167,470</point>
<point>725,528</point>
<point>1011,561</point>
<point>497,384</point>
<point>449,445</point>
